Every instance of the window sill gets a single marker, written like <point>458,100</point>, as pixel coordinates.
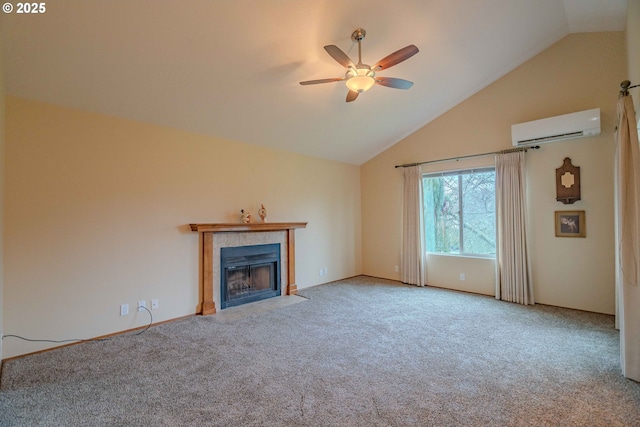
<point>461,255</point>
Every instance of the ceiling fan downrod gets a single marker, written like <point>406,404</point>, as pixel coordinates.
<point>358,36</point>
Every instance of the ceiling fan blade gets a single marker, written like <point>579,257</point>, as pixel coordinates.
<point>341,57</point>
<point>396,57</point>
<point>352,95</point>
<point>394,83</point>
<point>315,82</point>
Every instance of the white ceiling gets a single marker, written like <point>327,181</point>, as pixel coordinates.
<point>230,68</point>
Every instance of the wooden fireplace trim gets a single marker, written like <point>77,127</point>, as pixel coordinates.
<point>208,306</point>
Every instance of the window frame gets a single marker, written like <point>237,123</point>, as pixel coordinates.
<point>459,173</point>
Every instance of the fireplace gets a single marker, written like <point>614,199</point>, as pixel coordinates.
<point>249,273</point>
<point>234,235</point>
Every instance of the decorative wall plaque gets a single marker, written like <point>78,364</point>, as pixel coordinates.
<point>568,183</point>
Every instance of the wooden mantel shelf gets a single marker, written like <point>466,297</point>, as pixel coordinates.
<point>240,227</point>
<point>208,306</point>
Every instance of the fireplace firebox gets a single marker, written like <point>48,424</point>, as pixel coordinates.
<point>249,273</point>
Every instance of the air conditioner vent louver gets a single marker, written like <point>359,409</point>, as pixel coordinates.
<point>558,128</point>
<point>544,139</point>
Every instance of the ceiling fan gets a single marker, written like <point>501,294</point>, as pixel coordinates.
<point>361,77</point>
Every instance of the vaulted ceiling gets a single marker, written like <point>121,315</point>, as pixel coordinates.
<point>231,68</point>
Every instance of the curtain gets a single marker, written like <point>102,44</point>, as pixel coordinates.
<point>413,270</point>
<point>513,282</point>
<point>627,198</point>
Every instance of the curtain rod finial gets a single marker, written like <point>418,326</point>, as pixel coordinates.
<point>625,86</point>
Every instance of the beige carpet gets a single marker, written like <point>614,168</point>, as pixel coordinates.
<point>359,352</point>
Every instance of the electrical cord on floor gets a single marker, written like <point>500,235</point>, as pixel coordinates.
<point>79,340</point>
<point>150,321</point>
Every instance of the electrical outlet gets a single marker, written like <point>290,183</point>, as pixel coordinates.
<point>124,309</point>
<point>154,304</point>
<point>462,277</point>
<point>142,304</point>
<point>396,269</point>
<point>321,272</point>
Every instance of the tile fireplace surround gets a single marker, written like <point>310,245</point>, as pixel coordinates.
<point>216,236</point>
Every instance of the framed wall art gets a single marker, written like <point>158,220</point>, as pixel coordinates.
<point>570,224</point>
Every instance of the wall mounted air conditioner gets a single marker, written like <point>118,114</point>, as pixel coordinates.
<point>558,128</point>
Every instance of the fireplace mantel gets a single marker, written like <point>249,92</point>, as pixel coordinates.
<point>208,306</point>
<point>259,226</point>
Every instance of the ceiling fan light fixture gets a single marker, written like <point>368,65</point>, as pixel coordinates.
<point>360,79</point>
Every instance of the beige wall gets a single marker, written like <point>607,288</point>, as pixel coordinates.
<point>469,274</point>
<point>97,213</point>
<point>581,71</point>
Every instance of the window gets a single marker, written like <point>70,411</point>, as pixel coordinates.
<point>460,212</point>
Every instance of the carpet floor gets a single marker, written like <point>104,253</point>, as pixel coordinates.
<point>358,352</point>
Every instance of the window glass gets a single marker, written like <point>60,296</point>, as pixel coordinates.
<point>459,212</point>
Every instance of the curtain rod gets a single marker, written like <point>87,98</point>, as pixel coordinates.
<point>512,150</point>
<point>625,86</point>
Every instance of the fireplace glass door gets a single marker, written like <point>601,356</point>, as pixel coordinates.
<point>249,273</point>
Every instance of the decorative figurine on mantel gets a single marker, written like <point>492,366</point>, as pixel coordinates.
<point>245,216</point>
<point>262,212</point>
